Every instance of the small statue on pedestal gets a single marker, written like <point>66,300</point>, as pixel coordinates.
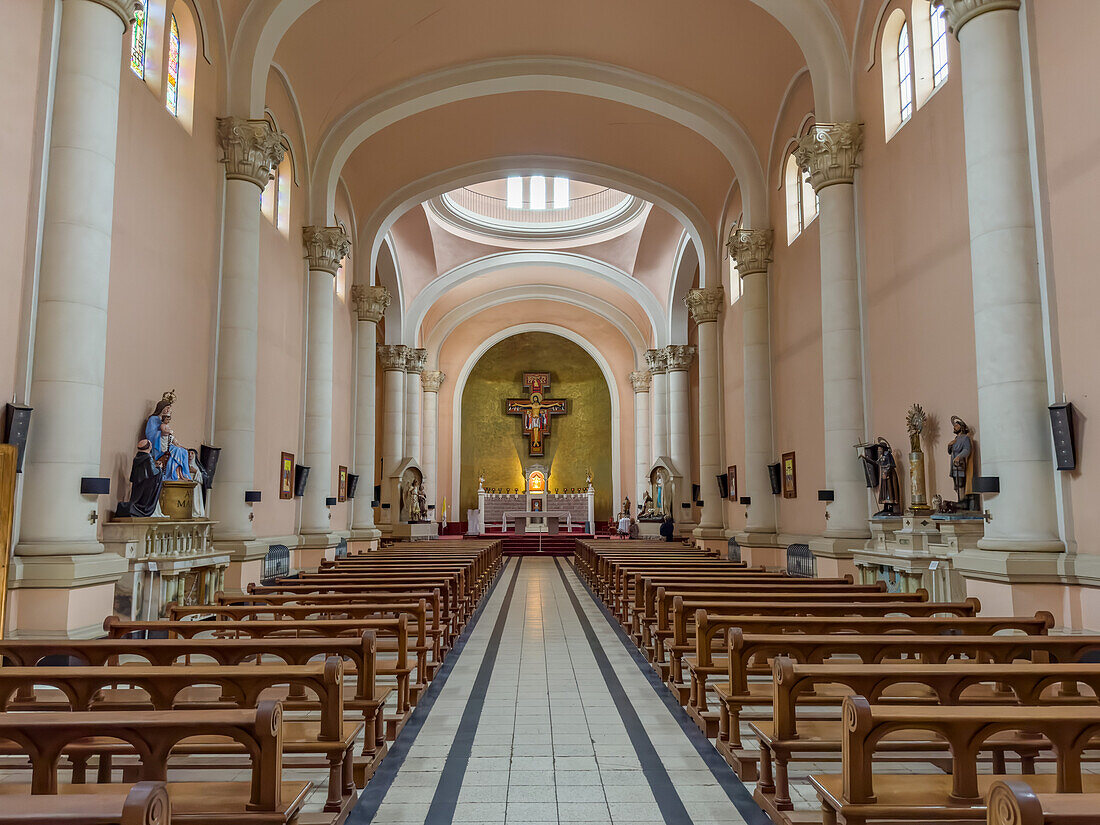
<point>878,458</point>
<point>960,449</point>
<point>626,505</point>
<point>645,509</point>
<point>422,501</point>
<point>915,420</point>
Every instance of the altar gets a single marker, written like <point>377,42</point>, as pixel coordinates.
<point>496,508</point>
<point>537,521</point>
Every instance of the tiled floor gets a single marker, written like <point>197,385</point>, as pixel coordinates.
<point>560,725</point>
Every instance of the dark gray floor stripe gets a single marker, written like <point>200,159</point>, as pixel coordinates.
<point>442,810</point>
<point>736,791</point>
<point>664,792</point>
<point>379,785</point>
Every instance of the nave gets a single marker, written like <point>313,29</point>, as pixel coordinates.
<point>548,716</point>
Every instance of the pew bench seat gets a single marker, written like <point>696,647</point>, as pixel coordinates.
<point>1017,803</point>
<point>145,804</point>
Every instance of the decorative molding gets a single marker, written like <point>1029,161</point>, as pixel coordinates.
<point>326,247</point>
<point>655,361</point>
<point>415,360</point>
<point>123,8</point>
<point>370,302</point>
<point>393,356</point>
<point>432,380</point>
<point>641,380</point>
<point>705,304</point>
<point>961,12</point>
<point>251,149</point>
<point>830,153</point>
<point>679,356</point>
<point>751,249</point>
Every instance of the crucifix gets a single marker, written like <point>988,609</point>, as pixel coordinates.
<point>536,410</point>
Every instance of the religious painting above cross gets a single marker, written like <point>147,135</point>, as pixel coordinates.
<point>536,410</point>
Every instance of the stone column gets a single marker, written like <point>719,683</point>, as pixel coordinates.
<point>658,402</point>
<point>415,360</point>
<point>678,357</point>
<point>752,250</point>
<point>430,383</point>
<point>251,151</point>
<point>326,248</point>
<point>705,306</point>
<point>370,305</point>
<point>393,358</point>
<point>830,153</point>
<point>642,445</point>
<point>70,345</point>
<point>1008,314</point>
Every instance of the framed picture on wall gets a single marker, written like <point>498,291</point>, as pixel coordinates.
<point>342,494</point>
<point>790,488</point>
<point>286,475</point>
<point>731,475</point>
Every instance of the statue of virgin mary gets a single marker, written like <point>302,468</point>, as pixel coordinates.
<point>159,432</point>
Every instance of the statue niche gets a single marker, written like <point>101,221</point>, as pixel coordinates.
<point>414,498</point>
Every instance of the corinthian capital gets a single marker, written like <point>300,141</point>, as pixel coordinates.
<point>432,380</point>
<point>679,356</point>
<point>830,153</point>
<point>251,149</point>
<point>370,301</point>
<point>326,247</point>
<point>751,249</point>
<point>655,360</point>
<point>415,360</point>
<point>960,12</point>
<point>123,8</point>
<point>641,380</point>
<point>704,304</point>
<point>392,356</point>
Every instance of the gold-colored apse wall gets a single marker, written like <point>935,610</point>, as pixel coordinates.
<point>494,443</point>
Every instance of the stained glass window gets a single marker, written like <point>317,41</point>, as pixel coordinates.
<point>137,44</point>
<point>905,74</point>
<point>172,97</point>
<point>939,46</point>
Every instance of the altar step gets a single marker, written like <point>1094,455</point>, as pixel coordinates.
<point>529,545</point>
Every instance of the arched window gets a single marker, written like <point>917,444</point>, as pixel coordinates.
<point>939,45</point>
<point>897,61</point>
<point>138,40</point>
<point>172,93</point>
<point>905,73</point>
<point>792,187</point>
<point>282,213</point>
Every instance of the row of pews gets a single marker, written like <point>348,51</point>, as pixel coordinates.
<point>897,709</point>
<point>310,675</point>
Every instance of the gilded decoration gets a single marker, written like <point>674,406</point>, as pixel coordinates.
<point>432,380</point>
<point>655,361</point>
<point>830,153</point>
<point>641,379</point>
<point>679,356</point>
<point>415,360</point>
<point>326,247</point>
<point>705,304</point>
<point>370,302</point>
<point>960,12</point>
<point>751,249</point>
<point>251,149</point>
<point>392,356</point>
<point>495,443</point>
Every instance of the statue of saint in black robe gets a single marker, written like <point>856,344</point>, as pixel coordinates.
<point>146,479</point>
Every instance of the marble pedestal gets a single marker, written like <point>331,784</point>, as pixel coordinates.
<point>419,531</point>
<point>649,529</point>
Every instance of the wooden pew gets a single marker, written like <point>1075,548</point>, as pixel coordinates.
<point>1013,802</point>
<point>147,803</point>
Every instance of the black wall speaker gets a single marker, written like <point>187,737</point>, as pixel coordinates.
<point>301,475</point>
<point>987,484</point>
<point>825,495</point>
<point>353,484</point>
<point>1061,427</point>
<point>208,458</point>
<point>17,424</point>
<point>774,476</point>
<point>746,500</point>
<point>723,485</point>
<point>330,501</point>
<point>95,486</point>
<point>252,496</point>
<point>694,492</point>
<point>377,493</point>
<point>685,506</point>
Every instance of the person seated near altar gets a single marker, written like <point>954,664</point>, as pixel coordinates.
<point>635,530</point>
<point>146,479</point>
<point>158,431</point>
<point>668,529</point>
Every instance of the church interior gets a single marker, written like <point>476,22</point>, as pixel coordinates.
<point>575,412</point>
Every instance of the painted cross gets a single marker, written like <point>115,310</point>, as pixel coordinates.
<point>536,410</point>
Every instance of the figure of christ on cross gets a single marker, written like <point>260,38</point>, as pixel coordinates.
<point>536,410</point>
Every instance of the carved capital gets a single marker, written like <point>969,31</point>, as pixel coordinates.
<point>123,8</point>
<point>641,380</point>
<point>751,249</point>
<point>679,356</point>
<point>326,247</point>
<point>705,304</point>
<point>392,356</point>
<point>830,153</point>
<point>370,301</point>
<point>961,12</point>
<point>655,361</point>
<point>415,360</point>
<point>432,380</point>
<point>251,149</point>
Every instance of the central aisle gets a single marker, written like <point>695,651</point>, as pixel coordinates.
<point>546,717</point>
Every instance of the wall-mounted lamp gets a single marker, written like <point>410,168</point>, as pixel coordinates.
<point>17,423</point>
<point>1061,427</point>
<point>301,475</point>
<point>95,486</point>
<point>825,495</point>
<point>353,484</point>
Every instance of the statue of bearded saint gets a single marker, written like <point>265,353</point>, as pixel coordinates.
<point>960,450</point>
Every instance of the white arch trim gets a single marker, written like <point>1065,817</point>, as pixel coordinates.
<point>536,292</point>
<point>475,356</point>
<point>440,286</point>
<point>542,74</point>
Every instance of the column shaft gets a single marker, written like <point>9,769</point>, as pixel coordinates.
<point>370,304</point>
<point>759,450</point>
<point>709,442</point>
<point>642,441</point>
<point>412,416</point>
<point>393,408</point>
<point>658,404</point>
<point>318,418</point>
